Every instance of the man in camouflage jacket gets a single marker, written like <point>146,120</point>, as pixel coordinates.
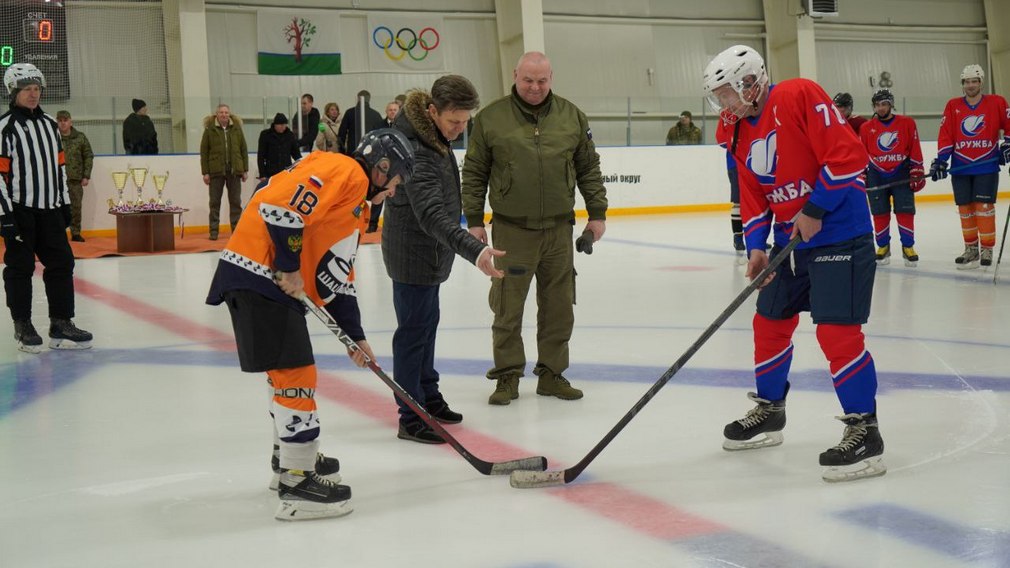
<point>79,157</point>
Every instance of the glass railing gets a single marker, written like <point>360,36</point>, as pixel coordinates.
<point>615,121</point>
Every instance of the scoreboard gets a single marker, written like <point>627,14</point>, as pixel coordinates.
<point>35,31</point>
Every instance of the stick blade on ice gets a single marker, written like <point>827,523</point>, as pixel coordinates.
<point>536,463</point>
<point>525,479</point>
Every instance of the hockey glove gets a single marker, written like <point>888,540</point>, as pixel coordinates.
<point>67,216</point>
<point>585,242</point>
<point>1004,153</point>
<point>9,227</point>
<point>918,179</point>
<point>938,170</point>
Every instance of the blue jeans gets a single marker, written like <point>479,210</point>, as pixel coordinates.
<point>417,315</point>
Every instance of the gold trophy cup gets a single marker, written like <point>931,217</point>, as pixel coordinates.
<point>139,177</point>
<point>159,184</point>
<point>119,180</point>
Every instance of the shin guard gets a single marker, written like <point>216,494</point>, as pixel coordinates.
<point>852,370</point>
<point>969,228</point>
<point>906,228</point>
<point>296,421</point>
<point>985,218</point>
<point>882,229</point>
<point>773,355</point>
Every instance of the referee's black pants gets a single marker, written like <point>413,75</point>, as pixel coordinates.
<point>43,234</point>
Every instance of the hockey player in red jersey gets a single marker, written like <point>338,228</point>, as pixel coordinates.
<point>970,132</point>
<point>800,165</point>
<point>298,236</point>
<point>892,142</point>
<point>844,103</point>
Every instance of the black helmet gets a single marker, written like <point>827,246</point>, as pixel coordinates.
<point>843,100</point>
<point>389,144</point>
<point>883,95</point>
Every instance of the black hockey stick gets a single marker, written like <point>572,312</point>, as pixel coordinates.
<point>530,479</point>
<point>927,176</point>
<point>995,270</point>
<point>537,463</point>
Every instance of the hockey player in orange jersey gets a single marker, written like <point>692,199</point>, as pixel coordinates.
<point>299,235</point>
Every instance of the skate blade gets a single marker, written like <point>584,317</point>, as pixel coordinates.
<point>911,263</point>
<point>770,439</point>
<point>297,510</point>
<point>872,467</point>
<point>884,261</point>
<point>33,349</point>
<point>968,266</point>
<point>741,260</point>
<point>275,481</point>
<point>68,345</point>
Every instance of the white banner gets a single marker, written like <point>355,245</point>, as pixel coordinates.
<point>406,43</point>
<point>298,42</point>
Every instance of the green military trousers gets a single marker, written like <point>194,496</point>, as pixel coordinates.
<point>548,255</point>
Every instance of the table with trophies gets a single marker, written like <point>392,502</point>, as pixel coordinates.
<point>143,226</point>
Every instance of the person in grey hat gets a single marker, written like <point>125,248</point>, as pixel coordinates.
<point>278,148</point>
<point>139,135</point>
<point>684,132</point>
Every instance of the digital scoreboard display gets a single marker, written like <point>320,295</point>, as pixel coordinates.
<point>35,31</point>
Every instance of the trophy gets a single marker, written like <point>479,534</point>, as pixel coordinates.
<point>139,177</point>
<point>119,180</point>
<point>159,184</point>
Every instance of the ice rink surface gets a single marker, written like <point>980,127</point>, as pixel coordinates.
<point>153,449</point>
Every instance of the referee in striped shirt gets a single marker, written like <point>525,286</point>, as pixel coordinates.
<point>35,213</point>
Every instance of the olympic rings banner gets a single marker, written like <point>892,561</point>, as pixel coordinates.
<point>298,42</point>
<point>406,43</point>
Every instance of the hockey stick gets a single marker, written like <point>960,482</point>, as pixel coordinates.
<point>919,178</point>
<point>530,479</point>
<point>995,270</point>
<point>536,463</point>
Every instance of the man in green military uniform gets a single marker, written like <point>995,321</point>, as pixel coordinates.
<point>79,158</point>
<point>684,132</point>
<point>527,152</point>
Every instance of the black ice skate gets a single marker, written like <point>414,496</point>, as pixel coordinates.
<point>766,420</point>
<point>968,259</point>
<point>860,452</point>
<point>28,339</point>
<point>325,466</point>
<point>63,334</point>
<point>307,495</point>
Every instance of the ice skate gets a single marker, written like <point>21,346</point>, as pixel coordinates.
<point>63,334</point>
<point>985,258</point>
<point>325,466</point>
<point>307,495</point>
<point>910,256</point>
<point>27,338</point>
<point>859,454</point>
<point>740,248</point>
<point>763,422</point>
<point>969,258</point>
<point>884,255</point>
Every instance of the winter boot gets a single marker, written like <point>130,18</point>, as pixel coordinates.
<point>968,259</point>
<point>307,495</point>
<point>63,334</point>
<point>550,384</point>
<point>439,410</point>
<point>859,453</point>
<point>325,466</point>
<point>28,339</point>
<point>767,419</point>
<point>884,255</point>
<point>910,256</point>
<point>505,391</point>
<point>418,431</point>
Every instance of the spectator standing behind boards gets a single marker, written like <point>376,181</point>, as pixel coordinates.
<point>349,132</point>
<point>310,123</point>
<point>277,148</point>
<point>78,158</point>
<point>844,103</point>
<point>527,152</point>
<point>327,140</point>
<point>420,241</point>
<point>391,109</point>
<point>224,162</point>
<point>139,135</point>
<point>35,214</point>
<point>684,132</point>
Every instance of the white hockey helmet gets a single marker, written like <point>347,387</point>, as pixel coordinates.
<point>19,75</point>
<point>739,66</point>
<point>973,71</point>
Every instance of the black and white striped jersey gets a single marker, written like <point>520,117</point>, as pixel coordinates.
<point>32,172</point>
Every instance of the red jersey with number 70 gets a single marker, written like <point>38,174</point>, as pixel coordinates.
<point>971,134</point>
